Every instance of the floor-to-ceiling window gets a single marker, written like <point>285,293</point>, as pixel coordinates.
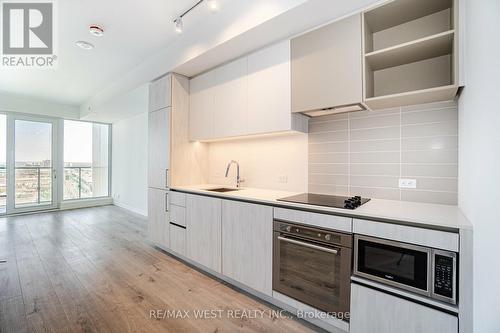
<point>86,160</point>
<point>3,163</point>
<point>33,184</point>
<point>40,166</point>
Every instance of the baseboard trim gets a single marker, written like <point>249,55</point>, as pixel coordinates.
<point>85,203</point>
<point>130,208</point>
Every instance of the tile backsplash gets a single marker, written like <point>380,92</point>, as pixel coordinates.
<point>271,162</point>
<point>366,153</point>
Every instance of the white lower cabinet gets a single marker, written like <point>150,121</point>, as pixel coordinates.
<point>178,239</point>
<point>247,244</point>
<point>373,311</point>
<point>177,215</point>
<point>203,231</point>
<point>158,216</point>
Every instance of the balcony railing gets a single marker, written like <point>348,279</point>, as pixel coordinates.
<point>33,185</point>
<point>3,189</point>
<point>78,183</point>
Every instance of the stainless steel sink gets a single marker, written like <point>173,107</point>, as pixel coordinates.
<point>222,189</point>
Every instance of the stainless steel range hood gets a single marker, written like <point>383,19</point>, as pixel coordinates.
<point>336,109</point>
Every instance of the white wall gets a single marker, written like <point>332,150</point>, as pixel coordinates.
<point>16,103</point>
<point>262,161</point>
<point>124,106</point>
<point>130,162</point>
<point>479,152</point>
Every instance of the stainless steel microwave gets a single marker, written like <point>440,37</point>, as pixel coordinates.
<point>419,269</point>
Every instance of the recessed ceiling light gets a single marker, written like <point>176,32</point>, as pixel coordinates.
<point>213,5</point>
<point>84,45</point>
<point>96,30</point>
<point>178,25</point>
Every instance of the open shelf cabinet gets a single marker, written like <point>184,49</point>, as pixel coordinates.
<point>410,52</point>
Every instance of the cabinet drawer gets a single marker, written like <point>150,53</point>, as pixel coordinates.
<point>178,239</point>
<point>333,222</point>
<point>178,199</point>
<point>426,237</point>
<point>378,312</point>
<point>178,215</point>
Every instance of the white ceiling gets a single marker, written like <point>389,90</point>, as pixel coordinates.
<point>140,44</point>
<point>127,105</point>
<point>134,30</point>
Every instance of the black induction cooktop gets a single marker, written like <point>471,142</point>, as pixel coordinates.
<point>335,201</point>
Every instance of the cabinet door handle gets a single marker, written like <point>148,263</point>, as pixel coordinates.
<point>166,202</point>
<point>166,178</point>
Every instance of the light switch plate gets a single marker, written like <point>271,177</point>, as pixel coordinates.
<point>407,183</point>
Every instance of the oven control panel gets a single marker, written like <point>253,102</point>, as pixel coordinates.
<point>315,234</point>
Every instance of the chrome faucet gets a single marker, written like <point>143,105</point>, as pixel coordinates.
<point>238,179</point>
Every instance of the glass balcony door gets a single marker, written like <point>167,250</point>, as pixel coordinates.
<point>3,163</point>
<point>32,164</point>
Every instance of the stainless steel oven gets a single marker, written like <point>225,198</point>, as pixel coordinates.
<point>418,269</point>
<point>313,266</point>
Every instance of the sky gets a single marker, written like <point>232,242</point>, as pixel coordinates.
<point>33,141</point>
<point>77,141</point>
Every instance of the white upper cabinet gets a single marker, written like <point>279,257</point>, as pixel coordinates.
<point>159,148</point>
<point>269,89</point>
<point>327,66</point>
<point>248,96</point>
<point>201,106</point>
<point>411,52</point>
<point>230,112</point>
<point>160,93</point>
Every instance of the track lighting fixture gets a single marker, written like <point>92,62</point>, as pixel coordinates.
<point>213,6</point>
<point>178,25</point>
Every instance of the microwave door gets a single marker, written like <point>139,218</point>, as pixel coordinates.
<point>393,263</point>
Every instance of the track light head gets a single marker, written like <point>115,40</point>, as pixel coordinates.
<point>213,5</point>
<point>179,27</point>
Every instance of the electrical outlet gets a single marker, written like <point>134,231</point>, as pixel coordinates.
<point>407,183</point>
<point>283,179</point>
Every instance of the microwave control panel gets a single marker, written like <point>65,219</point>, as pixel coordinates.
<point>443,275</point>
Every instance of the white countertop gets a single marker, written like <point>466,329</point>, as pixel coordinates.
<point>404,212</point>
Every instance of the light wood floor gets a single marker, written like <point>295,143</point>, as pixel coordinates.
<point>91,270</point>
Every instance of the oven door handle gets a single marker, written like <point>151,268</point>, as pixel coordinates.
<point>311,246</point>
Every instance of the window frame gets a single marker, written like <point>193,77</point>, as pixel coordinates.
<point>61,164</point>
